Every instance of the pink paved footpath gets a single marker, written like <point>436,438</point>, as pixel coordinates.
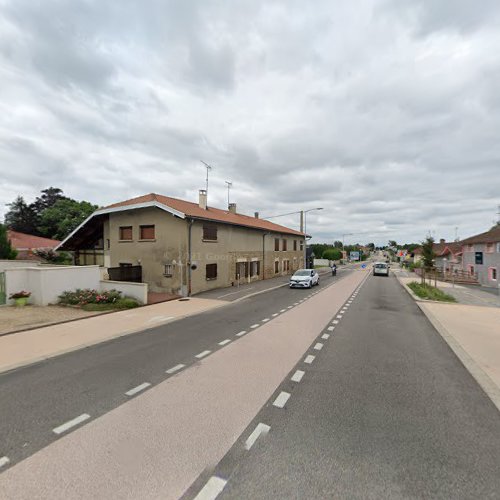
<point>26,347</point>
<point>156,445</point>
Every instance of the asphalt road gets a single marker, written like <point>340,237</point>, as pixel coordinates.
<point>38,398</point>
<point>385,410</point>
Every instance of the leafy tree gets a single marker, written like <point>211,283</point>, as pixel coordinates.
<point>54,257</point>
<point>21,217</point>
<point>332,254</point>
<point>6,250</point>
<point>392,243</point>
<point>428,254</point>
<point>337,244</point>
<point>371,246</point>
<point>48,199</point>
<point>64,216</point>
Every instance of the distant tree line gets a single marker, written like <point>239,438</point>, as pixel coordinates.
<point>52,214</point>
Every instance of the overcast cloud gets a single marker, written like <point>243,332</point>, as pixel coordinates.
<point>385,113</point>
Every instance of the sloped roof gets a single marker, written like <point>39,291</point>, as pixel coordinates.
<point>441,249</point>
<point>216,214</point>
<point>28,241</point>
<point>491,236</point>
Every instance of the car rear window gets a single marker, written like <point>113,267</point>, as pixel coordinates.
<point>381,266</point>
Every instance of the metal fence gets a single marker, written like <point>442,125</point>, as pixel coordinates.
<point>126,273</point>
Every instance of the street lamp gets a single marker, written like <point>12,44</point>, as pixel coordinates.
<point>305,230</point>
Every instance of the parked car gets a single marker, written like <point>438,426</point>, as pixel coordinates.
<point>304,278</point>
<point>381,269</point>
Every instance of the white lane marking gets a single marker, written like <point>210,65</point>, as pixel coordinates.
<point>335,322</point>
<point>331,328</point>
<point>289,307</point>
<point>255,326</point>
<point>159,319</point>
<point>325,336</point>
<point>203,354</point>
<point>260,429</point>
<point>137,389</point>
<point>241,333</point>
<point>224,342</point>
<point>281,400</point>
<point>211,490</point>
<point>282,310</point>
<point>275,314</point>
<point>318,346</point>
<point>232,293</point>
<point>265,320</point>
<point>309,359</point>
<point>71,423</point>
<point>297,376</point>
<point>175,368</point>
<point>339,316</point>
<point>4,461</point>
<point>296,304</point>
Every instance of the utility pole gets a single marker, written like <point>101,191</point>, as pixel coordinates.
<point>208,167</point>
<point>229,186</point>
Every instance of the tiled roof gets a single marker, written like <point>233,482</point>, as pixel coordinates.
<point>491,236</point>
<point>23,241</point>
<point>215,214</point>
<point>441,249</point>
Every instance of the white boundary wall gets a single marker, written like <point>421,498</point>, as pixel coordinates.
<point>47,283</point>
<point>13,264</point>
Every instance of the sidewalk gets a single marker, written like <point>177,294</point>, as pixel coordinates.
<point>30,346</point>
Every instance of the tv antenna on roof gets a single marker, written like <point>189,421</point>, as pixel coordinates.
<point>229,186</point>
<point>208,167</point>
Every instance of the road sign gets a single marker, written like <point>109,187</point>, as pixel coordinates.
<point>363,266</point>
<point>354,256</point>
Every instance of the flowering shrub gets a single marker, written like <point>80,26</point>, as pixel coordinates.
<point>20,295</point>
<point>81,297</point>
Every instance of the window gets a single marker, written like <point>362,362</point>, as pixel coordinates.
<point>479,258</point>
<point>498,247</point>
<point>492,273</point>
<point>284,245</point>
<point>209,232</point>
<point>276,244</point>
<point>490,247</point>
<point>469,248</point>
<point>294,245</point>
<point>242,270</point>
<point>168,271</point>
<point>125,233</point>
<point>211,271</point>
<point>255,268</point>
<point>286,265</point>
<point>301,245</point>
<point>470,269</point>
<point>276,266</point>
<point>147,232</point>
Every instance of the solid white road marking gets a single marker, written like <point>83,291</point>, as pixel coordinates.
<point>71,423</point>
<point>331,328</point>
<point>137,389</point>
<point>265,320</point>
<point>309,359</point>
<point>232,293</point>
<point>297,376</point>
<point>211,490</point>
<point>260,429</point>
<point>318,346</point>
<point>159,319</point>
<point>202,354</point>
<point>255,326</point>
<point>4,461</point>
<point>241,333</point>
<point>175,368</point>
<point>325,336</point>
<point>281,400</point>
<point>224,342</point>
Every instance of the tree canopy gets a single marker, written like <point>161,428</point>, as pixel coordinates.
<point>6,250</point>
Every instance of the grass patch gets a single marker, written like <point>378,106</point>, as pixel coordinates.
<point>429,292</point>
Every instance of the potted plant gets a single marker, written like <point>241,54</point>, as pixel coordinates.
<point>21,298</point>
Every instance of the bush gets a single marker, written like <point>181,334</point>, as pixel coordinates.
<point>82,297</point>
<point>122,303</point>
<point>332,254</point>
<point>126,303</point>
<point>425,291</point>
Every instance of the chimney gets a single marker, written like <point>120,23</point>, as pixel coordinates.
<point>232,208</point>
<point>256,215</point>
<point>203,199</point>
<point>442,241</point>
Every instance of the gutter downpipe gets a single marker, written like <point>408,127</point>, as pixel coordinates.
<point>189,257</point>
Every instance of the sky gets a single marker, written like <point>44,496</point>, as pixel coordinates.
<point>385,113</point>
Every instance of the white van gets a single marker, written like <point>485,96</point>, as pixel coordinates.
<point>380,269</point>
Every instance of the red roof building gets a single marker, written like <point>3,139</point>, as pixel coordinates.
<point>26,244</point>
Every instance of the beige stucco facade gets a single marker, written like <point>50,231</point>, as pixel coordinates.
<point>239,252</point>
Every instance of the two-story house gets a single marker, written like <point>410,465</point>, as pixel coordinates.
<point>481,256</point>
<point>183,247</point>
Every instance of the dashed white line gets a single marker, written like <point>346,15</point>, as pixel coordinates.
<point>224,342</point>
<point>275,314</point>
<point>289,307</point>
<point>309,359</point>
<point>240,334</point>
<point>281,400</point>
<point>331,328</point>
<point>203,354</point>
<point>296,304</point>
<point>174,369</point>
<point>335,322</point>
<point>265,320</point>
<point>282,310</point>
<point>339,316</point>
<point>211,490</point>
<point>325,336</point>
<point>137,389</point>
<point>4,461</point>
<point>297,376</point>
<point>255,326</point>
<point>318,346</point>
<point>260,429</point>
<point>71,423</point>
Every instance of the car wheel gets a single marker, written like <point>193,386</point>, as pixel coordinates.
<point>310,284</point>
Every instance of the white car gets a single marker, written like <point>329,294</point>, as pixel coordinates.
<point>304,278</point>
<point>381,269</point>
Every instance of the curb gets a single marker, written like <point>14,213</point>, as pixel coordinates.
<point>417,299</point>
<point>481,377</point>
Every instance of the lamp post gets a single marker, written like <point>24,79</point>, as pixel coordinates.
<point>305,230</point>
